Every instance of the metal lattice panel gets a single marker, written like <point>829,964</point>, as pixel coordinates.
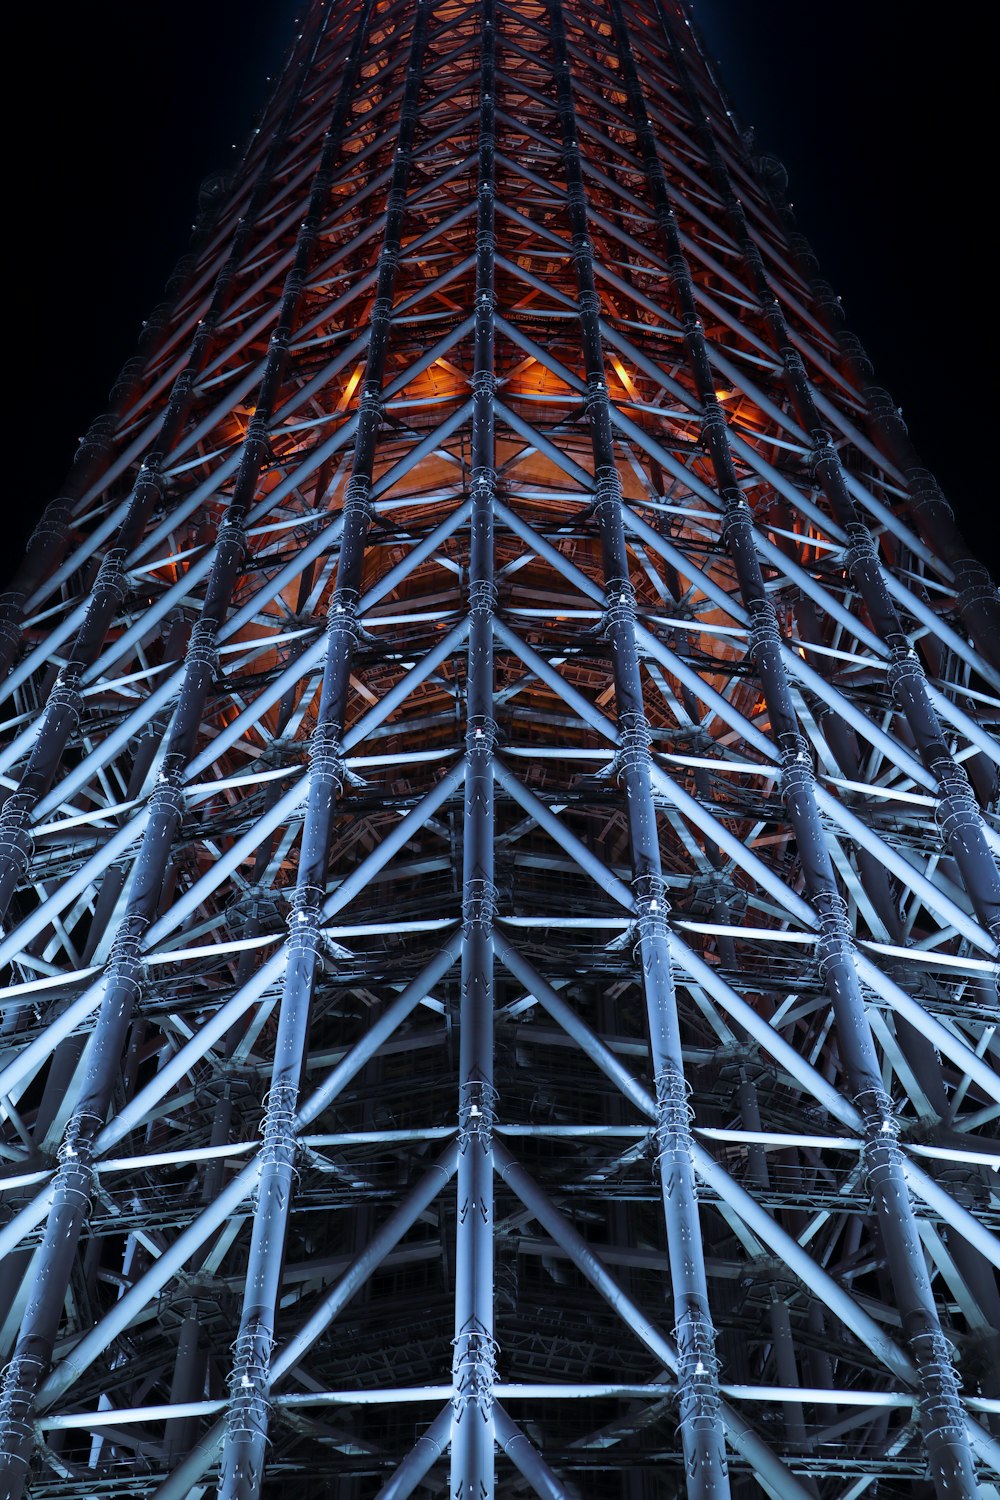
<point>499,846</point>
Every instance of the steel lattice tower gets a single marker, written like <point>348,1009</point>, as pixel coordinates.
<point>498,854</point>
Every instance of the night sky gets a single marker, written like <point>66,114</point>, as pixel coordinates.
<point>880,118</point>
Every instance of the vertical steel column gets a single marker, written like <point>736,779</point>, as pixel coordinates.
<point>942,1417</point>
<point>249,1379</point>
<point>73,1181</point>
<point>474,1362</point>
<point>959,816</point>
<point>701,1423</point>
<point>64,706</point>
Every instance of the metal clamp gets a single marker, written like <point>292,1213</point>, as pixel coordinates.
<point>697,1369</point>
<point>357,499</point>
<point>477,1113</point>
<point>479,905</point>
<point>957,808</point>
<point>762,633</point>
<point>673,1113</point>
<point>248,1410</point>
<point>279,1146</point>
<point>201,649</point>
<point>474,1370</point>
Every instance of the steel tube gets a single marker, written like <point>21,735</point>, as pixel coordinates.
<point>250,1373</point>
<point>474,1359</point>
<point>941,1417</point>
<point>697,1366</point>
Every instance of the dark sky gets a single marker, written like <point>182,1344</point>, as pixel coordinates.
<point>879,116</point>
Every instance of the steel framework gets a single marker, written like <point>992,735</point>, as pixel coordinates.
<point>498,842</point>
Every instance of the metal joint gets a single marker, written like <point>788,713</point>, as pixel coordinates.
<point>479,905</point>
<point>481,735</point>
<point>475,1371</point>
<point>130,373</point>
<point>21,1380</point>
<point>65,693</point>
<point>248,1380</point>
<point>16,842</point>
<point>482,486</point>
<point>281,336</point>
<point>582,252</point>
<point>256,433</point>
<point>855,350</point>
<point>860,546</point>
<point>713,419</point>
<point>677,270</point>
<point>11,615</point>
<point>125,962</point>
<point>977,587</point>
<point>305,919</point>
<point>232,535</point>
<point>277,1128</point>
<point>486,242</point>
<point>823,450</point>
<point>941,1403</point>
<point>370,395</point>
<point>326,755</point>
<point>826,297</point>
<point>834,939</point>
<point>884,410</point>
<point>477,1113</point>
<point>673,1113</point>
<point>357,499</point>
<point>168,794</point>
<point>588,304</point>
<point>483,598</point>
<point>800,247</point>
<point>597,393</point>
<point>620,608</point>
<point>925,492</point>
<point>53,524</point>
<point>75,1174</point>
<point>762,633</point>
<point>736,517</point>
<point>634,743</point>
<point>607,491</point>
<point>99,436</point>
<point>201,649</point>
<point>957,808</point>
<point>697,1370</point>
<point>790,357</point>
<point>111,574</point>
<point>484,385</point>
<point>881,1158</point>
<point>341,619</point>
<point>904,668</point>
<point>652,907</point>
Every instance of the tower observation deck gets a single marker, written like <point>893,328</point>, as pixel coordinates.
<point>498,843</point>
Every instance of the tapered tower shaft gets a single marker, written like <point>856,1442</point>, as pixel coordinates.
<point>498,838</point>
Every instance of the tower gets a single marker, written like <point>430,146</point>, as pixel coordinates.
<point>499,865</point>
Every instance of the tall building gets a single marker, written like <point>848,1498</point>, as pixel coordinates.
<point>498,850</point>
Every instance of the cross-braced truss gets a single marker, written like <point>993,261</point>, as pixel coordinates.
<point>498,851</point>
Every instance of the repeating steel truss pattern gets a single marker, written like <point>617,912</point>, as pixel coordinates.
<point>501,883</point>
